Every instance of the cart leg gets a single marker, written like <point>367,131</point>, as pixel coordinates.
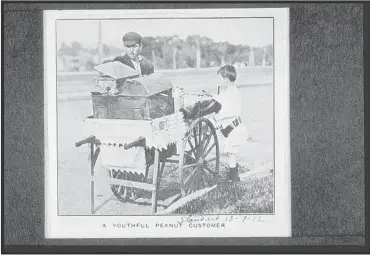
<point>155,181</point>
<point>181,163</point>
<point>92,192</point>
<point>160,173</point>
<point>92,198</point>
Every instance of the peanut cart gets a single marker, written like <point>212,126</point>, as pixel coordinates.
<point>137,129</point>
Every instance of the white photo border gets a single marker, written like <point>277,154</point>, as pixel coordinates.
<point>276,225</point>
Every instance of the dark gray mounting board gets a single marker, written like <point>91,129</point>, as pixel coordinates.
<point>327,126</point>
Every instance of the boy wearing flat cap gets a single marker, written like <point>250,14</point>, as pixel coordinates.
<point>133,43</point>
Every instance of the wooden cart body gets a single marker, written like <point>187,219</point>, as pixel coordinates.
<point>116,134</point>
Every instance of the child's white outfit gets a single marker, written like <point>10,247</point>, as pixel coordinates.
<point>231,102</point>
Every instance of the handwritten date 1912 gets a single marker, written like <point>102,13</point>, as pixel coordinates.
<point>227,218</point>
<point>254,218</point>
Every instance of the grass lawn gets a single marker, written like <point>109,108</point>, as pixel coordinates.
<point>254,195</point>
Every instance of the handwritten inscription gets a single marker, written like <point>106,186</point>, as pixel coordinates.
<point>257,218</point>
<point>201,218</point>
<point>217,218</point>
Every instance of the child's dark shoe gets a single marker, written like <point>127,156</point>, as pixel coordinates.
<point>234,174</point>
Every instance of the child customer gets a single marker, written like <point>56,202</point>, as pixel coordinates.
<point>227,106</point>
<point>228,118</point>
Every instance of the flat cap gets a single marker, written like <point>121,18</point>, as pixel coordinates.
<point>131,38</point>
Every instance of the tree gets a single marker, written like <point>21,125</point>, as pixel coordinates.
<point>269,54</point>
<point>176,47</point>
<point>238,53</point>
<point>222,49</point>
<point>251,57</point>
<point>148,49</point>
<point>186,57</point>
<point>76,47</point>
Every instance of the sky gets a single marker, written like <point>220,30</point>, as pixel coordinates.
<point>247,31</point>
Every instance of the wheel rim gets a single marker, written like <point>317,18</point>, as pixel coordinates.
<point>200,160</point>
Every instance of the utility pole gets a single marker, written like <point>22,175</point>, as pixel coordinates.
<point>264,57</point>
<point>198,52</point>
<point>154,58</point>
<point>100,43</point>
<point>174,54</point>
<point>251,57</point>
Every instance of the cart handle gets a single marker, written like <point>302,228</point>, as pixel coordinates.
<point>90,139</point>
<point>140,142</point>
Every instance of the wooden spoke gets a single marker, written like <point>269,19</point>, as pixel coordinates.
<point>188,156</point>
<point>191,188</point>
<point>200,139</point>
<point>207,182</point>
<point>195,138</point>
<point>205,138</point>
<point>213,145</point>
<point>211,159</point>
<point>203,147</point>
<point>206,131</point>
<point>201,178</point>
<point>208,140</point>
<point>193,149</point>
<point>195,183</point>
<point>209,170</point>
<point>204,180</point>
<point>188,166</point>
<point>190,176</point>
<point>190,180</point>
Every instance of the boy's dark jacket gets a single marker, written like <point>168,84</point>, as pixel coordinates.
<point>146,66</point>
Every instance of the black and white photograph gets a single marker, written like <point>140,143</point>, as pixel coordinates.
<point>167,124</point>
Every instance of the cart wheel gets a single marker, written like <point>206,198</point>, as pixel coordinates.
<point>124,193</point>
<point>199,163</point>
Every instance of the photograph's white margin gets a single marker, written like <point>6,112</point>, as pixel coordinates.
<point>278,225</point>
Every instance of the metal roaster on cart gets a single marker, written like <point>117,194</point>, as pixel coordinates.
<point>137,128</point>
